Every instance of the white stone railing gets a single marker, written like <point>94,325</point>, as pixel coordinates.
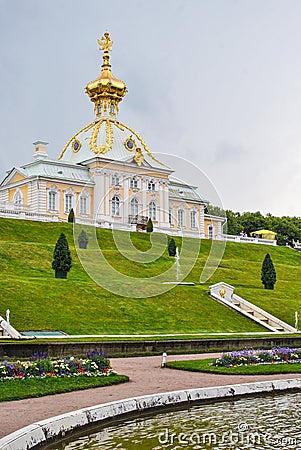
<point>26,215</point>
<point>247,239</point>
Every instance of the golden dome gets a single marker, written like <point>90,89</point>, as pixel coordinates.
<point>106,91</point>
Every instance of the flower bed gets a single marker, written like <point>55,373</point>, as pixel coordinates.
<point>250,356</point>
<point>94,364</point>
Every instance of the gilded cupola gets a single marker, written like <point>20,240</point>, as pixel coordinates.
<point>106,137</point>
<point>106,91</point>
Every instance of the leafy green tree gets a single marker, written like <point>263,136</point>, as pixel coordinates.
<point>268,273</point>
<point>149,226</point>
<point>62,261</point>
<point>233,225</point>
<point>252,222</point>
<point>172,248</point>
<point>71,216</point>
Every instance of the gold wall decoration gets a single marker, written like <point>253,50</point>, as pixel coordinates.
<point>138,157</point>
<point>98,149</point>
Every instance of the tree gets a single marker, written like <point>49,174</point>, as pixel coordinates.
<point>252,222</point>
<point>172,248</point>
<point>71,216</point>
<point>83,239</point>
<point>233,226</point>
<point>149,226</point>
<point>268,273</point>
<point>62,261</point>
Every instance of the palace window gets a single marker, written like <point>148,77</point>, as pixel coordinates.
<point>68,202</point>
<point>115,180</point>
<point>170,216</point>
<point>151,185</point>
<point>152,210</point>
<point>115,206</point>
<point>193,221</point>
<point>134,183</point>
<point>83,206</point>
<point>52,200</point>
<point>181,218</point>
<point>134,207</point>
<point>210,231</point>
<point>18,199</point>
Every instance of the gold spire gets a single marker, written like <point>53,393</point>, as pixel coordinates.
<point>106,91</point>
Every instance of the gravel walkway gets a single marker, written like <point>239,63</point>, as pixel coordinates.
<point>146,377</point>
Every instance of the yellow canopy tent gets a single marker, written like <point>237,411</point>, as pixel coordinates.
<point>266,234</point>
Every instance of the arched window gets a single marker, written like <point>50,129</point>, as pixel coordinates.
<point>18,198</point>
<point>193,219</point>
<point>84,203</point>
<point>151,185</point>
<point>68,200</point>
<point>52,200</point>
<point>115,180</point>
<point>152,210</point>
<point>134,183</point>
<point>170,216</point>
<point>134,207</point>
<point>181,218</point>
<point>115,206</point>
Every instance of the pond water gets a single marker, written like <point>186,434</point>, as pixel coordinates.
<point>268,422</point>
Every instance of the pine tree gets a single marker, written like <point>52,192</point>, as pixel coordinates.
<point>172,248</point>
<point>71,216</point>
<point>268,273</point>
<point>62,261</point>
<point>149,226</point>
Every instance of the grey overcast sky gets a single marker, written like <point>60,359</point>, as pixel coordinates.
<point>217,82</point>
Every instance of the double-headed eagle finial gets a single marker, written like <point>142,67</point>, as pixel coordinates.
<point>105,43</point>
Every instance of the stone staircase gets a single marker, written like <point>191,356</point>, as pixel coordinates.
<point>7,331</point>
<point>224,293</point>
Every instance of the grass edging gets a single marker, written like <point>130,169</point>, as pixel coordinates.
<point>18,389</point>
<point>203,365</point>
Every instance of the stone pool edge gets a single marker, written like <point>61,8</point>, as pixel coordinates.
<point>44,432</point>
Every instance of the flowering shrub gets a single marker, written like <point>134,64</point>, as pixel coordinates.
<point>251,356</point>
<point>94,364</point>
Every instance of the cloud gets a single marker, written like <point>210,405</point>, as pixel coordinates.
<point>227,153</point>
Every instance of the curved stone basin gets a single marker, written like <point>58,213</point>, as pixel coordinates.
<point>41,433</point>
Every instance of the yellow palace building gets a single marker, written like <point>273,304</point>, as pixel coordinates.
<point>107,174</point>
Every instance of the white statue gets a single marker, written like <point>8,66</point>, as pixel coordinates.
<point>7,315</point>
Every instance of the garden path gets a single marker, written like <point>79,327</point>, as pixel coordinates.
<point>146,377</point>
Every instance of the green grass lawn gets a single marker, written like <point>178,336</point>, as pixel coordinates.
<point>17,389</point>
<point>78,305</point>
<point>204,365</point>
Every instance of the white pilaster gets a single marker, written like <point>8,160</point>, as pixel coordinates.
<point>126,199</point>
<point>202,222</point>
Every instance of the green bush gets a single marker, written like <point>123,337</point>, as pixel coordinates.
<point>172,248</point>
<point>71,216</point>
<point>62,261</point>
<point>268,273</point>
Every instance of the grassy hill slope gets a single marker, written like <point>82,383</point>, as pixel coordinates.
<point>78,305</point>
